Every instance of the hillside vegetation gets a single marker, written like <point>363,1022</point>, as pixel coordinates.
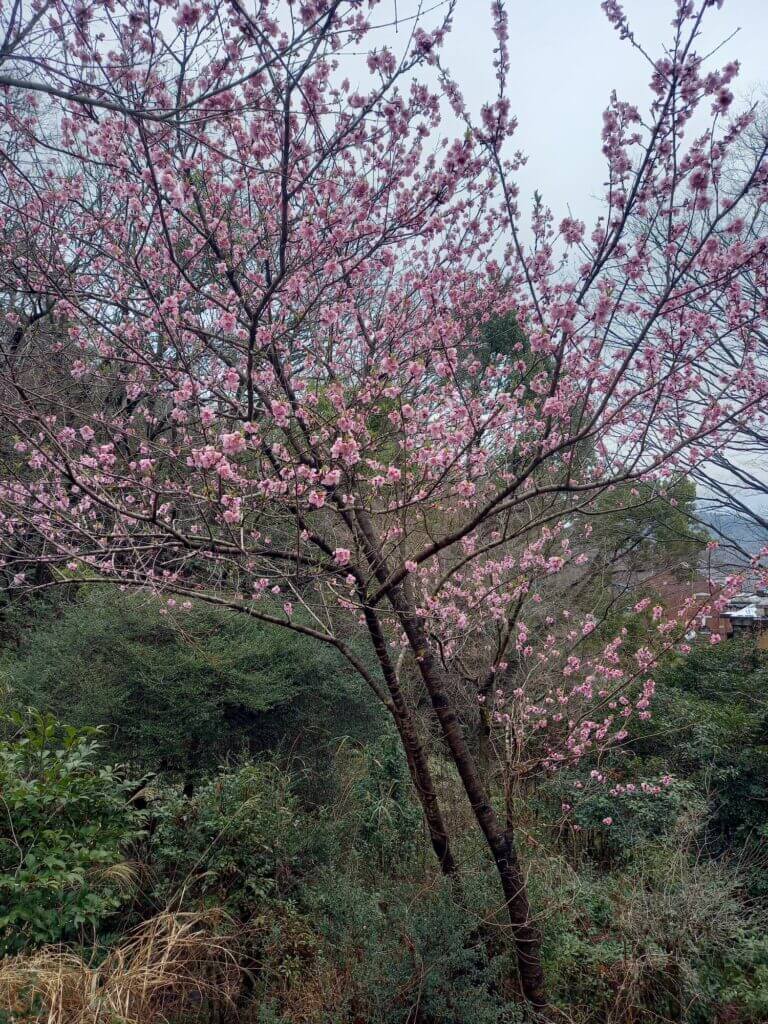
<point>240,859</point>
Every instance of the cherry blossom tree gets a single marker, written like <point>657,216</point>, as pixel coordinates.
<point>245,353</point>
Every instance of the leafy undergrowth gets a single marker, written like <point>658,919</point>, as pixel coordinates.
<point>250,901</point>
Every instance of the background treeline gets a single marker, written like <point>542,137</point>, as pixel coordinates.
<point>239,840</point>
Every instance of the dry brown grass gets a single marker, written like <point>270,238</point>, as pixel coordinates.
<point>177,965</point>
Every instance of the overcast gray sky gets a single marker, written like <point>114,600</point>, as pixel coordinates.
<point>566,59</point>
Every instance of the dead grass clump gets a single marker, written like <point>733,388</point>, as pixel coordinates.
<point>174,964</point>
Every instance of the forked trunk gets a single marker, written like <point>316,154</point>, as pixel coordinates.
<point>500,841</point>
<point>415,753</point>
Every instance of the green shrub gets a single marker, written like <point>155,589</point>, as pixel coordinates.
<point>400,951</point>
<point>389,825</point>
<point>183,692</point>
<point>710,726</point>
<point>637,819</point>
<point>64,824</point>
<point>668,938</point>
<point>240,841</point>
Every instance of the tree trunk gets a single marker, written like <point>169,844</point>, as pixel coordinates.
<point>424,786</point>
<point>415,753</point>
<point>500,841</point>
<point>484,741</point>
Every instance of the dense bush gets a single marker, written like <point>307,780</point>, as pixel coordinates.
<point>183,692</point>
<point>320,891</point>
<point>241,841</point>
<point>710,727</point>
<point>667,938</point>
<point>404,951</point>
<point>637,818</point>
<point>341,917</point>
<point>64,826</point>
<point>389,829</point>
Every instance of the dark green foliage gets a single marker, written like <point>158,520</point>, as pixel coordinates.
<point>338,919</point>
<point>64,826</point>
<point>184,692</point>
<point>664,937</point>
<point>329,919</point>
<point>502,338</point>
<point>242,840</point>
<point>390,828</point>
<point>648,528</point>
<point>710,725</point>
<point>637,818</point>
<point>325,878</point>
<point>417,952</point>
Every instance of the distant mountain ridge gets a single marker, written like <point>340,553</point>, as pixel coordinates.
<point>739,539</point>
<point>738,529</point>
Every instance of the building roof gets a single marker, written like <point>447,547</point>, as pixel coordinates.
<point>749,612</point>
